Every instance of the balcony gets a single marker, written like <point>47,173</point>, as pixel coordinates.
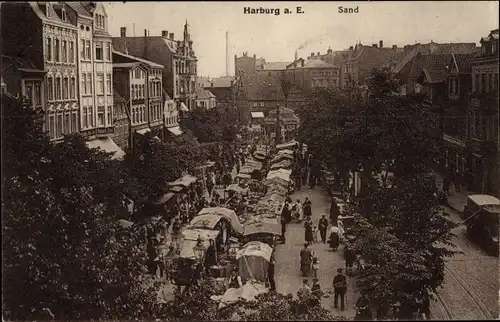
<point>455,140</point>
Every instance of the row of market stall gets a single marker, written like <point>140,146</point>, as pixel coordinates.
<point>243,244</point>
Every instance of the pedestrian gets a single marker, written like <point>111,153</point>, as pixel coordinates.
<point>307,207</point>
<point>304,289</point>
<point>235,279</point>
<point>176,233</point>
<point>350,258</point>
<point>283,229</point>
<point>315,266</point>
<point>286,213</point>
<point>334,212</point>
<point>270,275</point>
<point>210,257</point>
<point>210,186</point>
<point>306,256</point>
<point>316,291</point>
<point>308,225</point>
<point>446,185</point>
<point>334,238</point>
<point>323,227</point>
<point>216,197</point>
<point>339,289</point>
<point>363,309</point>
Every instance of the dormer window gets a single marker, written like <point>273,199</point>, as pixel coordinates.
<point>99,21</point>
<point>63,15</point>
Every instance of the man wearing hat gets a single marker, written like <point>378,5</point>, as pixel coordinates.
<point>339,289</point>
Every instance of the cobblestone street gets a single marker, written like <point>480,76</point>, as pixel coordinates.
<point>288,277</point>
<point>470,289</point>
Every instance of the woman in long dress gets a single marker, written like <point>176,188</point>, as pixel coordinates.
<point>299,210</point>
<point>334,239</point>
<point>309,231</point>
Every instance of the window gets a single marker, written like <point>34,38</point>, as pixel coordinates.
<point>254,104</point>
<point>477,86</point>
<point>85,122</point>
<point>71,54</point>
<point>91,116</point>
<point>100,116</point>
<point>67,120</point>
<point>110,116</point>
<point>89,83</point>
<point>58,88</point>
<point>52,125</point>
<point>490,83</point>
<point>63,15</point>
<point>48,49</point>
<point>59,126</point>
<point>88,54</point>
<point>29,92</point>
<point>495,82</point>
<point>106,51</point>
<point>109,87</point>
<point>98,51</point>
<point>483,82</point>
<point>137,74</point>
<point>57,50</point>
<point>100,84</point>
<point>74,122</point>
<point>64,51</point>
<point>50,88</point>
<point>65,88</point>
<point>38,94</point>
<point>82,53</point>
<point>72,88</point>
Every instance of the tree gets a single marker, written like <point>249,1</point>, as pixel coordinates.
<point>199,305</point>
<point>215,125</point>
<point>377,132</point>
<point>64,252</point>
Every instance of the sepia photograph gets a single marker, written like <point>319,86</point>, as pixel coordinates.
<point>258,161</point>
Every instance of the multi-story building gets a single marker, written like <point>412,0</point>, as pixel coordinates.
<point>171,117</point>
<point>50,46</point>
<point>120,121</point>
<point>95,68</point>
<point>313,73</point>
<point>138,81</point>
<point>462,92</point>
<point>178,57</point>
<point>205,99</point>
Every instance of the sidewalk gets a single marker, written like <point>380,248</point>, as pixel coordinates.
<point>456,199</point>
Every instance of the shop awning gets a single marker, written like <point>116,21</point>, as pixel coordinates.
<point>256,115</point>
<point>108,145</point>
<point>175,130</point>
<point>144,131</point>
<point>184,107</point>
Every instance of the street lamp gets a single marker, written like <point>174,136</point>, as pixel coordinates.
<point>199,249</point>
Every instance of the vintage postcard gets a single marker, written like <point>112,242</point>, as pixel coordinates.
<point>203,161</point>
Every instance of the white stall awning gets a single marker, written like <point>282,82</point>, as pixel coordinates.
<point>144,131</point>
<point>184,107</point>
<point>107,145</point>
<point>175,130</point>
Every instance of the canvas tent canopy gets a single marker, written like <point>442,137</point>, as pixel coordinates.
<point>264,226</point>
<point>248,291</point>
<point>281,157</point>
<point>243,176</point>
<point>287,145</point>
<point>253,261</point>
<point>285,164</point>
<point>191,238</point>
<point>283,174</point>
<point>236,188</point>
<point>185,181</point>
<point>125,223</point>
<point>227,213</point>
<point>207,221</point>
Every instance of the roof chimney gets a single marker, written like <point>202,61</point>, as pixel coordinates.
<point>351,48</point>
<point>374,45</point>
<point>123,32</point>
<point>318,53</point>
<point>394,46</point>
<point>381,44</point>
<point>145,44</point>
<point>171,36</point>
<point>312,54</point>
<point>302,62</point>
<point>164,33</point>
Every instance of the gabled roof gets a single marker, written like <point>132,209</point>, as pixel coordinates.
<point>52,17</point>
<point>462,63</point>
<point>274,65</point>
<point>317,63</point>
<point>204,94</point>
<point>20,63</point>
<point>79,9</point>
<point>434,76</point>
<point>224,81</point>
<point>135,45</point>
<point>428,62</point>
<point>148,63</point>
<point>126,65</point>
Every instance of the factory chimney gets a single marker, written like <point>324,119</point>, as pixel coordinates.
<point>227,53</point>
<point>296,55</point>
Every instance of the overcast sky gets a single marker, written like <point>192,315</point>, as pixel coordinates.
<point>276,37</point>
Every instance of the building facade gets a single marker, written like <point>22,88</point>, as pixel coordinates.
<point>95,68</point>
<point>120,122</point>
<point>51,48</point>
<point>179,78</point>
<point>171,117</point>
<point>138,81</point>
<point>205,99</point>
